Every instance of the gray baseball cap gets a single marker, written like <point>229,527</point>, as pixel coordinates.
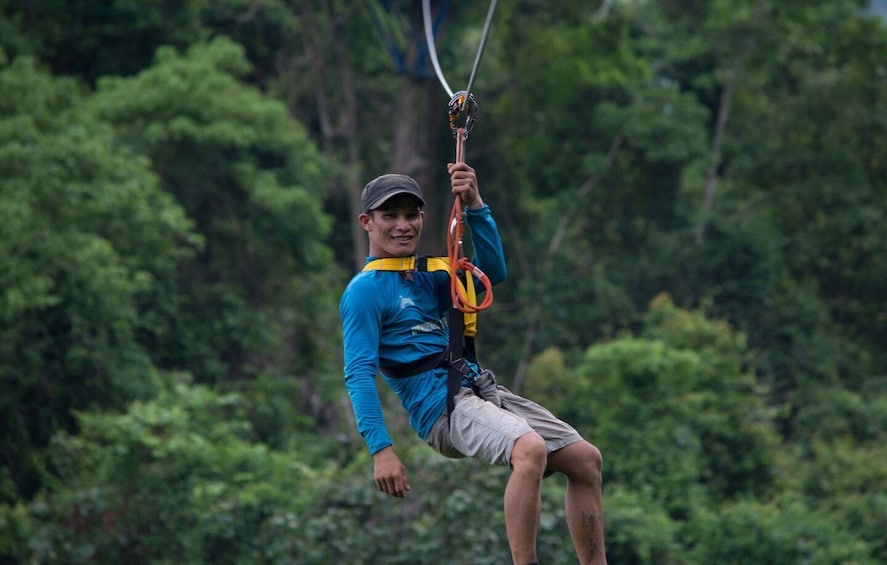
<point>380,189</point>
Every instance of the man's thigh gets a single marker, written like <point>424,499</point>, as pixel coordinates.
<point>480,429</point>
<point>477,428</point>
<point>556,433</point>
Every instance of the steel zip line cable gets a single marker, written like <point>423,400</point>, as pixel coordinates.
<point>480,52</point>
<point>432,50</point>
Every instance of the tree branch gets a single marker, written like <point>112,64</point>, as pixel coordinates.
<point>711,177</point>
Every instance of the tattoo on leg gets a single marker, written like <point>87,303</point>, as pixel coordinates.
<point>588,522</point>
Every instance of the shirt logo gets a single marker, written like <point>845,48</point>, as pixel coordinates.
<point>406,301</point>
<point>425,328</point>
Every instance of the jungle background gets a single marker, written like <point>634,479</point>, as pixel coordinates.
<point>693,200</point>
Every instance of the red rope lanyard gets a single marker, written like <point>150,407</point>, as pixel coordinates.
<point>460,296</point>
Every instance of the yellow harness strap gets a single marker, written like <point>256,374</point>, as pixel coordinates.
<point>407,264</point>
<point>430,264</point>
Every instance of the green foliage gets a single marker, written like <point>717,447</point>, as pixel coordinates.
<point>733,416</point>
<point>178,217</point>
<point>691,467</point>
<point>177,478</point>
<point>800,148</point>
<point>265,30</point>
<point>674,409</point>
<point>250,178</point>
<point>639,530</point>
<point>596,146</point>
<point>782,531</point>
<point>90,39</point>
<point>846,481</point>
<point>645,409</point>
<point>454,509</point>
<point>87,237</point>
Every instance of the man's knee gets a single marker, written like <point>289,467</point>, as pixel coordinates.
<point>591,455</point>
<point>590,463</point>
<point>580,460</point>
<point>529,453</point>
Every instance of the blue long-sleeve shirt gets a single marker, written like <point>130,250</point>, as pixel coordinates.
<point>388,320</point>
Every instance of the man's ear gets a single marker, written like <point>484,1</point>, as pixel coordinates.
<point>365,221</point>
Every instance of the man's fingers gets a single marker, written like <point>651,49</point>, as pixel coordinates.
<point>392,489</point>
<point>400,486</point>
<point>394,486</point>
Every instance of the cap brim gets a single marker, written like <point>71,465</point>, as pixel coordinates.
<point>386,197</point>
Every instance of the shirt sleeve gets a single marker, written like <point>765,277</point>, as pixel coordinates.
<point>489,255</point>
<point>361,325</point>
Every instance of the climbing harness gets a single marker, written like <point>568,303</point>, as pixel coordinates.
<point>430,264</point>
<point>462,329</point>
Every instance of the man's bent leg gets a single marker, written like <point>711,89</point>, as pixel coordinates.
<point>522,496</point>
<point>478,428</point>
<point>581,463</point>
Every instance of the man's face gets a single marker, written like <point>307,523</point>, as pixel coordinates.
<point>394,227</point>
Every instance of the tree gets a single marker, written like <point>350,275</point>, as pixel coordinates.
<point>589,154</point>
<point>178,477</point>
<point>253,182</point>
<point>91,39</point>
<point>358,74</point>
<point>727,153</point>
<point>87,238</point>
<point>782,531</point>
<point>670,410</point>
<point>676,406</point>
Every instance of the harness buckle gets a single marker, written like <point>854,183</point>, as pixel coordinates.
<point>421,263</point>
<point>461,365</point>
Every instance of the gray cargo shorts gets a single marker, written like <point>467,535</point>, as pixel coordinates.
<point>481,429</point>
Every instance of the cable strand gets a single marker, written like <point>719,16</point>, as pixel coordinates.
<point>432,49</point>
<point>480,52</point>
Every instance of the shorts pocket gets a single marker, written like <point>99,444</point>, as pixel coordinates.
<point>439,439</point>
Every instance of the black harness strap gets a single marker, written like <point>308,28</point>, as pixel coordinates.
<point>456,367</point>
<point>461,347</point>
<point>457,363</point>
<point>405,370</point>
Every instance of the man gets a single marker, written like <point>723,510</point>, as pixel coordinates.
<point>394,321</point>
